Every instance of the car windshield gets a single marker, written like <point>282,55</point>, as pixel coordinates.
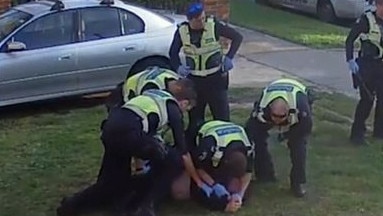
<point>11,20</point>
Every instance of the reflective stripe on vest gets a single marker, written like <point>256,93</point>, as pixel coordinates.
<point>374,34</point>
<point>155,75</point>
<point>207,59</point>
<point>224,133</point>
<point>151,101</point>
<point>286,89</point>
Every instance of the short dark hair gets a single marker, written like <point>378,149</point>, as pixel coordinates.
<point>184,90</point>
<point>234,164</point>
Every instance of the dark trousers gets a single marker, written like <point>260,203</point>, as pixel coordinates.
<point>371,72</point>
<point>155,187</point>
<point>115,98</point>
<point>123,139</point>
<point>297,140</point>
<point>213,91</point>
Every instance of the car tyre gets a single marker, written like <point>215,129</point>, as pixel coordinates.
<point>142,65</point>
<point>326,12</point>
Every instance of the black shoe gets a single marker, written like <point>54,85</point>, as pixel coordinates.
<point>66,208</point>
<point>298,190</point>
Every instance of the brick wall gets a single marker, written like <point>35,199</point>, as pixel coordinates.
<point>4,4</point>
<point>220,9</point>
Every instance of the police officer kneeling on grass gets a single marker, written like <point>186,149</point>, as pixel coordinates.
<point>206,64</point>
<point>129,132</point>
<point>151,78</point>
<point>367,71</point>
<point>224,160</point>
<point>286,107</point>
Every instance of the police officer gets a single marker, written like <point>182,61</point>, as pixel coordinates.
<point>285,107</point>
<point>224,160</point>
<point>128,132</point>
<point>206,63</point>
<point>150,78</point>
<point>367,71</point>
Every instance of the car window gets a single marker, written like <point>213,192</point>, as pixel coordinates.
<point>11,20</point>
<point>131,23</point>
<point>48,31</point>
<point>99,23</point>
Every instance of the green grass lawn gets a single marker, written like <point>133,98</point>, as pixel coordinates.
<point>290,26</point>
<point>48,155</point>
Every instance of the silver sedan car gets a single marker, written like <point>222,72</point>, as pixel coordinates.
<point>51,49</point>
<point>326,10</point>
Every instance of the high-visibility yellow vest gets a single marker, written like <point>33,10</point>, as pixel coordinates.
<point>151,101</point>
<point>282,88</point>
<point>207,59</point>
<point>374,34</point>
<point>224,133</point>
<point>154,75</point>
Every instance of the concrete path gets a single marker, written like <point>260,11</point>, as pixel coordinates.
<point>263,58</point>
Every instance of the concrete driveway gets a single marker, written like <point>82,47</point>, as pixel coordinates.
<point>263,58</point>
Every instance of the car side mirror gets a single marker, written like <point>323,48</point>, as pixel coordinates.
<point>16,46</point>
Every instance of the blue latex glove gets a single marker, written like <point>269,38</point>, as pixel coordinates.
<point>145,169</point>
<point>220,190</point>
<point>353,66</point>
<point>227,64</point>
<point>183,71</point>
<point>207,189</point>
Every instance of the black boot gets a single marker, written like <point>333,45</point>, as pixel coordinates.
<point>358,141</point>
<point>298,190</point>
<point>67,207</point>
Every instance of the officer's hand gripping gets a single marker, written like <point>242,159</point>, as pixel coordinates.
<point>183,71</point>
<point>237,197</point>
<point>220,190</point>
<point>207,189</point>
<point>227,64</point>
<point>353,66</point>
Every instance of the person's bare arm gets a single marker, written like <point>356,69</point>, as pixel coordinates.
<point>205,177</point>
<point>190,169</point>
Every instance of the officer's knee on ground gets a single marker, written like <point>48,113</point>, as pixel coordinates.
<point>180,188</point>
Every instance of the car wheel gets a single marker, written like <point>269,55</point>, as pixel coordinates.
<point>325,11</point>
<point>143,64</point>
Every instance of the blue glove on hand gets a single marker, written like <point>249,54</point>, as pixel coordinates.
<point>227,64</point>
<point>353,66</point>
<point>183,71</point>
<point>207,189</point>
<point>146,167</point>
<point>220,190</point>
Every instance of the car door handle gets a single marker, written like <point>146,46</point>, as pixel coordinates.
<point>64,57</point>
<point>130,48</point>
